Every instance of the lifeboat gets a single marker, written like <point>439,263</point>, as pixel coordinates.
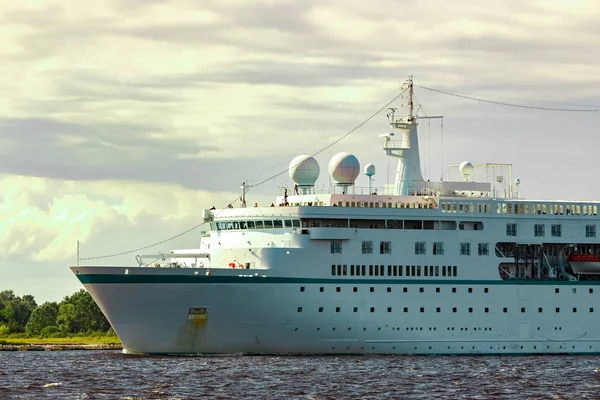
<point>585,263</point>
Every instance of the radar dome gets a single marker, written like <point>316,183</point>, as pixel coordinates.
<point>304,170</point>
<point>344,168</point>
<point>369,170</point>
<point>466,168</point>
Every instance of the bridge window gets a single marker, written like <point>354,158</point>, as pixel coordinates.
<point>483,249</point>
<point>385,248</point>
<point>367,247</point>
<point>336,247</point>
<point>465,249</point>
<point>419,247</point>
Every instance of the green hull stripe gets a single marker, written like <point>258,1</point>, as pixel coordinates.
<point>133,278</point>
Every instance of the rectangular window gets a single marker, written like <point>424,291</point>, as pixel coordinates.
<point>590,231</point>
<point>385,248</point>
<point>336,247</point>
<point>367,247</point>
<point>465,249</point>
<point>419,247</point>
<point>511,229</point>
<point>556,230</point>
<point>538,230</point>
<point>438,248</point>
<point>483,249</point>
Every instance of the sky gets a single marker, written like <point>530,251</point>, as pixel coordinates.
<point>121,120</point>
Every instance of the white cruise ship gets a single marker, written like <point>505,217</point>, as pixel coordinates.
<point>463,266</point>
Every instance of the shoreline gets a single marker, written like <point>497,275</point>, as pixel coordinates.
<point>58,346</point>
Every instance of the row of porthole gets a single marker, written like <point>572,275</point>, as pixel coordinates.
<point>472,348</point>
<point>421,289</point>
<point>439,309</point>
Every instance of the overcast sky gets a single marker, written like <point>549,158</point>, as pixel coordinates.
<point>121,120</point>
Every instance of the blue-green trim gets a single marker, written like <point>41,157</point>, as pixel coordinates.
<point>134,278</point>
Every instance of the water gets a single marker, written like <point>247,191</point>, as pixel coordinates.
<point>113,375</point>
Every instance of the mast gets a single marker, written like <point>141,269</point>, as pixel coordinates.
<point>409,179</point>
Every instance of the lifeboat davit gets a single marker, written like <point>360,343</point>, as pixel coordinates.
<point>585,263</point>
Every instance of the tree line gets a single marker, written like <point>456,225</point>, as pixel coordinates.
<point>75,314</point>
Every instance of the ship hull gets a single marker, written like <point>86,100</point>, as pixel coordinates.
<point>269,315</point>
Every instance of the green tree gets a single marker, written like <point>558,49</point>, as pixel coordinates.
<point>80,313</point>
<point>18,311</point>
<point>41,317</point>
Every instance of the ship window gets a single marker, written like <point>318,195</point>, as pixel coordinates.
<point>511,229</point>
<point>336,247</point>
<point>485,290</point>
<point>453,290</point>
<point>370,270</point>
<point>574,290</point>
<point>556,290</point>
<point>250,224</point>
<point>455,270</point>
<point>591,309</point>
<point>487,309</point>
<point>337,309</point>
<point>385,248</point>
<point>332,271</point>
<point>538,230</point>
<point>389,289</point>
<point>421,290</point>
<point>268,224</point>
<point>465,249</point>
<point>405,290</point>
<point>371,289</point>
<point>470,309</point>
<point>355,289</point>
<point>443,207</point>
<point>381,271</point>
<point>422,309</point>
<point>389,270</point>
<point>405,309</point>
<point>437,270</point>
<point>470,290</point>
<point>296,223</point>
<point>339,270</point>
<point>408,270</point>
<point>591,290</point>
<point>321,289</point>
<point>540,309</point>
<point>229,225</point>
<point>590,231</point>
<point>236,225</point>
<point>259,225</point>
<point>355,309</point>
<point>556,230</point>
<point>522,309</point>
<point>505,309</point>
<point>389,309</point>
<point>363,270</point>
<point>418,270</point>
<point>557,309</point>
<point>438,309</point>
<point>376,270</point>
<point>299,309</point>
<point>243,225</point>
<point>574,309</point>
<point>320,309</point>
<point>302,288</point>
<point>288,223</point>
<point>453,309</point>
<point>419,247</point>
<point>395,270</point>
<point>437,289</point>
<point>345,272</point>
<point>351,270</point>
<point>438,249</point>
<point>443,270</point>
<point>482,249</point>
<point>338,289</point>
<point>372,309</point>
<point>367,247</point>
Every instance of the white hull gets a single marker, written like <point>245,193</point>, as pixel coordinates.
<point>263,318</point>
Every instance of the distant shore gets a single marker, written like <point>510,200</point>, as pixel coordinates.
<point>76,343</point>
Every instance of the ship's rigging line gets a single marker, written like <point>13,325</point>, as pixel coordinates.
<point>254,185</point>
<point>500,103</point>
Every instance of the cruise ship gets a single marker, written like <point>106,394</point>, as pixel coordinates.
<point>463,266</point>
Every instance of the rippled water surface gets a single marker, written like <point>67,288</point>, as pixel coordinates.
<point>113,375</point>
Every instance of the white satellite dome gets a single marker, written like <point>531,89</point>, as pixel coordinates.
<point>369,170</point>
<point>304,170</point>
<point>466,168</point>
<point>344,168</point>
